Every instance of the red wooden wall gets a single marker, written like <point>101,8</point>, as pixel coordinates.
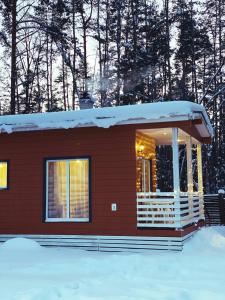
<point>113,176</point>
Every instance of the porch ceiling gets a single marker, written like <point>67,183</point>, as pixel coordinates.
<point>163,136</point>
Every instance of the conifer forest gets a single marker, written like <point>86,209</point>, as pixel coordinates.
<point>57,54</point>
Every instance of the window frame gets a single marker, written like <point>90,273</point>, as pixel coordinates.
<point>46,219</point>
<point>7,177</point>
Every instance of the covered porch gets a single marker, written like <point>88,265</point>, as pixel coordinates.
<point>169,182</point>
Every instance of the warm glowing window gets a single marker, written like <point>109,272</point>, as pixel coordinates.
<point>67,190</point>
<point>3,175</point>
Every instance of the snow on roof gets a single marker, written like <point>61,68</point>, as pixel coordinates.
<point>106,117</point>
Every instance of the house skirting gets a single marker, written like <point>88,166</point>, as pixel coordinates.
<point>106,243</point>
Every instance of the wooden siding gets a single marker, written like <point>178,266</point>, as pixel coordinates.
<point>113,180</point>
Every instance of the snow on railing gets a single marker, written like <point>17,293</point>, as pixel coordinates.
<point>167,209</point>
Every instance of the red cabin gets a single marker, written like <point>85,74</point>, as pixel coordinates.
<point>107,179</point>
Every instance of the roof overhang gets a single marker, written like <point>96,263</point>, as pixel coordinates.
<point>151,113</point>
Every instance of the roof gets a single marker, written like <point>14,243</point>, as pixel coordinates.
<point>106,117</point>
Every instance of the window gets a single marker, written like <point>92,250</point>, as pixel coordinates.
<point>3,175</point>
<point>67,190</point>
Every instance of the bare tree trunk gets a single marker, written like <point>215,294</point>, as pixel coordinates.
<point>118,48</point>
<point>47,74</point>
<point>168,47</point>
<point>106,54</point>
<point>75,91</point>
<point>13,56</point>
<point>67,89</point>
<point>27,102</point>
<point>63,85</point>
<point>85,58</point>
<point>51,74</point>
<point>100,52</point>
<point>38,89</point>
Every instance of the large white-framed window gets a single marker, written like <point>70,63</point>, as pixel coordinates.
<point>3,175</point>
<point>67,190</point>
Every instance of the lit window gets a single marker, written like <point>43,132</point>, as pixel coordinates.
<point>3,175</point>
<point>67,190</point>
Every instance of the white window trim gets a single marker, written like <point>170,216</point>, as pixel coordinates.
<point>67,219</point>
<point>50,220</point>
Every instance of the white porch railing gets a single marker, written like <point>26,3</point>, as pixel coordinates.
<point>161,209</point>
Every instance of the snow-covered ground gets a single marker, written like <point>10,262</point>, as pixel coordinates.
<point>31,272</point>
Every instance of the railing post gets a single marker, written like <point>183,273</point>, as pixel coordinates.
<point>176,175</point>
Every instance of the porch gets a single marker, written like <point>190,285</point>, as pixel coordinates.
<point>169,190</point>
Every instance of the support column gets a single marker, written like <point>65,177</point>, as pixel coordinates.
<point>200,180</point>
<point>189,165</point>
<point>199,166</point>
<point>176,174</point>
<point>189,174</point>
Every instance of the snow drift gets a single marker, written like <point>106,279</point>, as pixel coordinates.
<point>197,273</point>
<point>20,244</point>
